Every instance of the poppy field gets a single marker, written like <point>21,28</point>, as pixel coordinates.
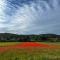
<point>29,51</point>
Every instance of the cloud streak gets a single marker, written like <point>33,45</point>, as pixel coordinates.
<point>30,17</point>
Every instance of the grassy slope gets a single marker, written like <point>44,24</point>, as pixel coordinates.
<point>30,53</point>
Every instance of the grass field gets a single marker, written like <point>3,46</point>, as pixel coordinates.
<point>52,52</point>
<point>2,44</point>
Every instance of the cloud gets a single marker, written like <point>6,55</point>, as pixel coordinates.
<point>30,17</point>
<point>2,15</point>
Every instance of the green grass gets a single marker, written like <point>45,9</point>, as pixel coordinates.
<point>14,43</point>
<point>24,54</point>
<point>2,44</point>
<point>30,54</point>
<point>50,43</point>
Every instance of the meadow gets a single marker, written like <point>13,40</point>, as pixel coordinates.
<point>23,51</point>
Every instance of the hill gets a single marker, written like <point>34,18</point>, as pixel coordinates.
<point>9,37</point>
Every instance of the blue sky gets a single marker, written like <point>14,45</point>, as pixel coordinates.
<point>30,16</point>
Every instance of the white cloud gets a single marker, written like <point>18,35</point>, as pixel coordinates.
<point>33,18</point>
<point>2,15</point>
<point>23,18</point>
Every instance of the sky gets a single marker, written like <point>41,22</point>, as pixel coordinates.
<point>30,16</point>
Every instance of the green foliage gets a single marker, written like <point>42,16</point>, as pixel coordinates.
<point>8,37</point>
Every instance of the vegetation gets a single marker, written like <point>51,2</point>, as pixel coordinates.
<point>31,54</point>
<point>3,44</point>
<point>8,37</point>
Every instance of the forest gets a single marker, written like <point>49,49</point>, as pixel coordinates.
<point>9,37</point>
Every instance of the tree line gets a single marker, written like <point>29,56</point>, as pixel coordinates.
<point>8,37</point>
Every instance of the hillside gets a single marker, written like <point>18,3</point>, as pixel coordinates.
<point>9,37</point>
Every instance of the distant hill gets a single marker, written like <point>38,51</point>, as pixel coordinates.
<point>9,37</point>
